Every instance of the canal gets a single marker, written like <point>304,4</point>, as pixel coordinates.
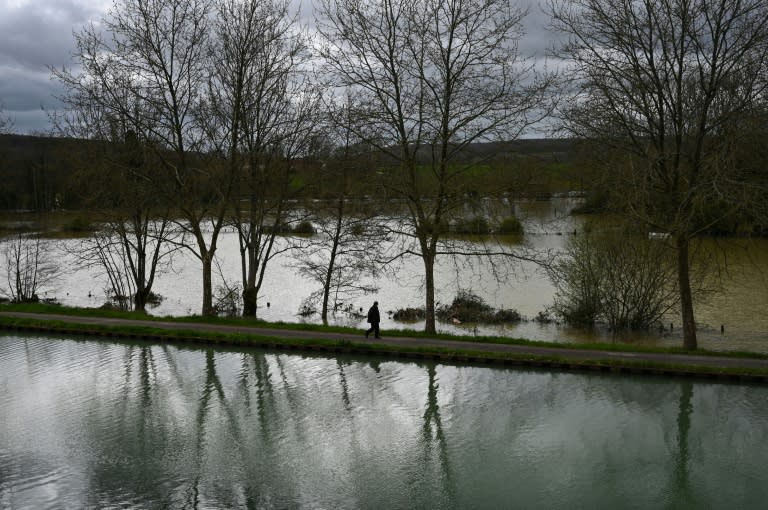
<point>87,423</point>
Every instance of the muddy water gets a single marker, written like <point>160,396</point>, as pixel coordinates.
<point>739,307</point>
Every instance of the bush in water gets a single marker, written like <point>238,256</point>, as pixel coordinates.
<point>624,280</point>
<point>510,225</point>
<point>469,307</point>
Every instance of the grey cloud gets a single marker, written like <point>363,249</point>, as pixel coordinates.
<point>538,38</point>
<point>34,36</point>
<point>22,89</point>
<point>29,122</point>
<point>39,34</point>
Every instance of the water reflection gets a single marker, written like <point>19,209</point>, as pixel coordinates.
<point>682,488</point>
<point>434,441</point>
<point>130,424</point>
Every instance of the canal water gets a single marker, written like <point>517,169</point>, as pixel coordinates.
<point>97,424</point>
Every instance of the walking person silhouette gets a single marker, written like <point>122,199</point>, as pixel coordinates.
<point>373,319</point>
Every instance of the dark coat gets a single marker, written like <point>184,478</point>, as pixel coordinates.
<point>373,315</point>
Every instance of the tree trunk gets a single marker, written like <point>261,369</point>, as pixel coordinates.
<point>326,293</point>
<point>207,284</point>
<point>249,301</point>
<point>140,299</point>
<point>332,260</point>
<point>250,293</point>
<point>142,292</point>
<point>686,299</point>
<point>429,287</point>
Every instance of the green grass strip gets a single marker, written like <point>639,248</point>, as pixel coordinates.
<point>444,354</point>
<point>248,322</point>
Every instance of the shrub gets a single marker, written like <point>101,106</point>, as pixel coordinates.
<point>475,226</point>
<point>409,314</point>
<point>304,227</point>
<point>469,307</point>
<point>543,317</point>
<point>507,315</point>
<point>623,280</point>
<point>510,225</point>
<point>280,228</point>
<point>228,301</point>
<point>154,299</point>
<point>467,300</point>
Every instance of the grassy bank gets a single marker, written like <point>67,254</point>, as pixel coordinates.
<point>322,339</point>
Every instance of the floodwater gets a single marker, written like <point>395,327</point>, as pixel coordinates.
<point>105,424</point>
<point>734,318</point>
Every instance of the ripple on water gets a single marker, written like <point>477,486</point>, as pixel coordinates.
<point>18,354</point>
<point>97,424</point>
<point>31,480</point>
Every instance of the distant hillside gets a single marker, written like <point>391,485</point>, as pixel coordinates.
<point>22,149</point>
<point>36,171</point>
<point>560,146</point>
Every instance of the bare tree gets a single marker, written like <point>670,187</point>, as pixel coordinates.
<point>430,78</point>
<point>665,84</point>
<point>129,251</point>
<point>146,63</point>
<point>349,237</point>
<point>340,256</point>
<point>156,72</point>
<point>28,266</point>
<point>261,109</point>
<point>137,238</point>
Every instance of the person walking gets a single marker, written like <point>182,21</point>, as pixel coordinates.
<point>373,319</point>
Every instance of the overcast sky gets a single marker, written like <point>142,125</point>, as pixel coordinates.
<point>37,34</point>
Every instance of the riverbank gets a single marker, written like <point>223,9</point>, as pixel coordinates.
<point>668,363</point>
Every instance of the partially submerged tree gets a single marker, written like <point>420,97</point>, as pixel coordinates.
<point>260,113</point>
<point>348,241</point>
<point>666,84</point>
<point>429,78</point>
<point>348,237</point>
<point>145,63</point>
<point>136,238</point>
<point>340,257</point>
<point>28,267</point>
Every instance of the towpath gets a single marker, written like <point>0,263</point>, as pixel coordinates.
<point>545,356</point>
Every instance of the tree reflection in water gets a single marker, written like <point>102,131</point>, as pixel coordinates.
<point>344,386</point>
<point>140,425</point>
<point>433,436</point>
<point>682,488</point>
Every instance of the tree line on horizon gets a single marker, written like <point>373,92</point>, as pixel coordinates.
<point>210,108</point>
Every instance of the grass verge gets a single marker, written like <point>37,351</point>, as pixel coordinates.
<point>448,353</point>
<point>249,322</point>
